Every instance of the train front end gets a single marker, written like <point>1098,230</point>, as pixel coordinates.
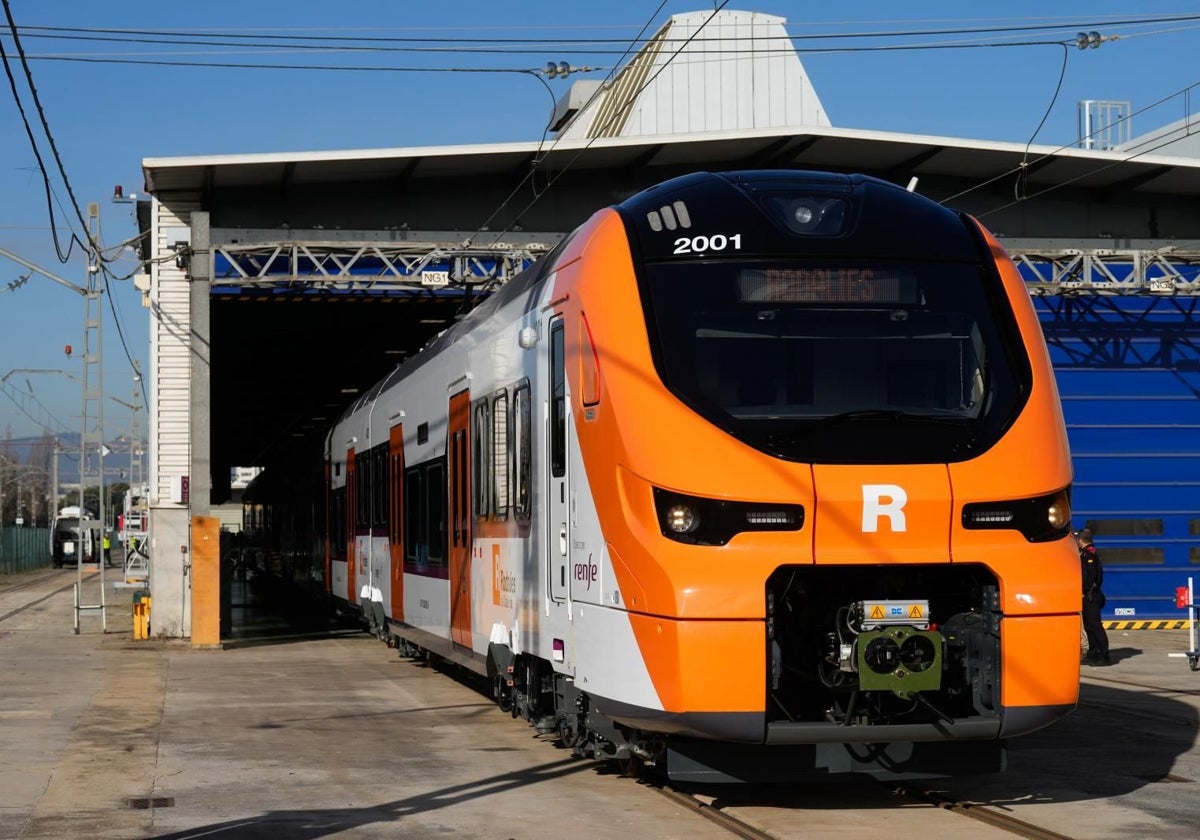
<point>839,508</point>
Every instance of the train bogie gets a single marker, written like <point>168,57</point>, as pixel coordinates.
<point>764,459</point>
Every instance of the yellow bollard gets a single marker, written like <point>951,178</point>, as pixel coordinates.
<point>141,616</point>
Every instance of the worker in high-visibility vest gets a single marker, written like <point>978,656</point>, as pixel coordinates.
<point>107,548</point>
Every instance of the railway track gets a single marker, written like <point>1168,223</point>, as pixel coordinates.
<point>26,584</point>
<point>983,813</point>
<point>30,584</point>
<point>737,827</point>
<point>987,814</point>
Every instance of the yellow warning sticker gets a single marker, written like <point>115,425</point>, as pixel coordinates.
<point>876,611</point>
<point>915,611</point>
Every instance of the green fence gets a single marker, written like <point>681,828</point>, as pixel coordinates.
<point>23,549</point>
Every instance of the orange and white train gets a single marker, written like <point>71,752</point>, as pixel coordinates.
<point>757,474</point>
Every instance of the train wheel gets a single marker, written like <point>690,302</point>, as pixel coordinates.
<point>503,696</point>
<point>630,766</point>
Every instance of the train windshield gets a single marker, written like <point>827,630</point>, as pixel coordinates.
<point>841,362</point>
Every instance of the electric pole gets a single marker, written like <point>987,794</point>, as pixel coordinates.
<point>91,441</point>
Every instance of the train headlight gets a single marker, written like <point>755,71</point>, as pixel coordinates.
<point>1059,513</point>
<point>1040,519</point>
<point>816,214</point>
<point>804,213</point>
<point>681,519</point>
<point>701,521</point>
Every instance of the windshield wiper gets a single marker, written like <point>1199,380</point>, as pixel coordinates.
<point>798,431</point>
<point>894,415</point>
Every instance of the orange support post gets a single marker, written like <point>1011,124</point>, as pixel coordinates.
<point>206,582</point>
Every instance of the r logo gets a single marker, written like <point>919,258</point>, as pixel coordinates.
<point>881,500</point>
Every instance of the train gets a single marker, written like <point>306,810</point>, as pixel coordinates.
<point>757,475</point>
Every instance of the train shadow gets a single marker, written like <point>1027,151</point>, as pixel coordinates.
<point>287,634</point>
<point>310,824</point>
<point>1076,760</point>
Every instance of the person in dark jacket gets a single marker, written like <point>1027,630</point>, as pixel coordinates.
<point>1093,599</point>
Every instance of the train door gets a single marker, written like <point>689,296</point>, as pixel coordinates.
<point>458,463</point>
<point>395,520</point>
<point>330,521</point>
<point>351,528</point>
<point>558,519</point>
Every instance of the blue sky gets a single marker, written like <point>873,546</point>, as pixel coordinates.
<point>106,118</point>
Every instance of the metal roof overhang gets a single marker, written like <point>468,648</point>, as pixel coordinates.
<point>903,155</point>
<point>259,419</point>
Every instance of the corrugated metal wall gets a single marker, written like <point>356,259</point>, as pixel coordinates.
<point>1129,375</point>
<point>675,85</point>
<point>170,350</point>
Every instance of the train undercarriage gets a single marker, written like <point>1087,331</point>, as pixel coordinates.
<point>892,671</point>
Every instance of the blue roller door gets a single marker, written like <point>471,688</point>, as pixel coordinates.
<point>1129,374</point>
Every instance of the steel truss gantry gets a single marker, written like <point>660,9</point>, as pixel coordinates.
<point>1117,308</point>
<point>414,260</point>
<point>1099,306</point>
<point>375,261</point>
<point>1163,271</point>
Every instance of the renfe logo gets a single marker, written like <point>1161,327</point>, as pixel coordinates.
<point>883,500</point>
<point>587,572</point>
<point>504,582</point>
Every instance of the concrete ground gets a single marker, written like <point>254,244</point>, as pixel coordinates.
<point>331,735</point>
<point>328,735</point>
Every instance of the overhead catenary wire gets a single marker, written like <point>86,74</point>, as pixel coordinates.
<point>1184,92</point>
<point>1019,184</point>
<point>1108,21</point>
<point>322,43</point>
<point>84,33</point>
<point>12,83</point>
<point>600,26</point>
<point>538,156</point>
<point>37,101</point>
<point>1168,140</point>
<point>94,246</point>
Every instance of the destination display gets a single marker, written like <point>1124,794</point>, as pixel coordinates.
<point>828,284</point>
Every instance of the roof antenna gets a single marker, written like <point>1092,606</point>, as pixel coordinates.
<point>912,184</point>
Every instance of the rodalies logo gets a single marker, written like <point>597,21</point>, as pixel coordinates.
<point>588,572</point>
<point>504,582</point>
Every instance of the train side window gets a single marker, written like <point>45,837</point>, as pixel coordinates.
<point>522,452</point>
<point>501,449</point>
<point>337,516</point>
<point>435,510</point>
<point>481,458</point>
<point>558,403</point>
<point>379,486</point>
<point>367,493</point>
<point>414,516</point>
<point>361,499</point>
